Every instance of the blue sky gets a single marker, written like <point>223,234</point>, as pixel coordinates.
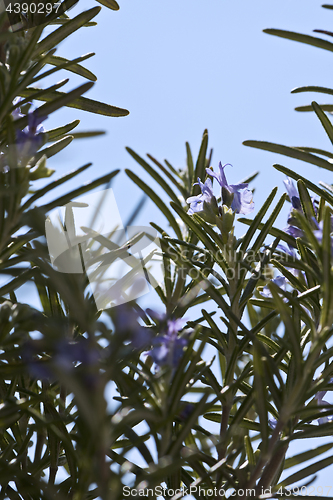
<point>181,66</point>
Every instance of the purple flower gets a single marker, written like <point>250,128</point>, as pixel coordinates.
<point>126,322</point>
<point>321,402</point>
<point>79,358</point>
<point>16,114</point>
<point>236,196</point>
<point>30,139</point>
<point>279,281</point>
<point>292,253</point>
<point>289,251</point>
<point>168,348</point>
<point>294,231</point>
<point>69,353</point>
<point>206,196</point>
<point>293,194</point>
<point>156,315</point>
<point>64,357</point>
<point>272,422</point>
<point>175,325</point>
<point>167,325</point>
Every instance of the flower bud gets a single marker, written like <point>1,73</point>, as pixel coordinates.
<point>225,222</point>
